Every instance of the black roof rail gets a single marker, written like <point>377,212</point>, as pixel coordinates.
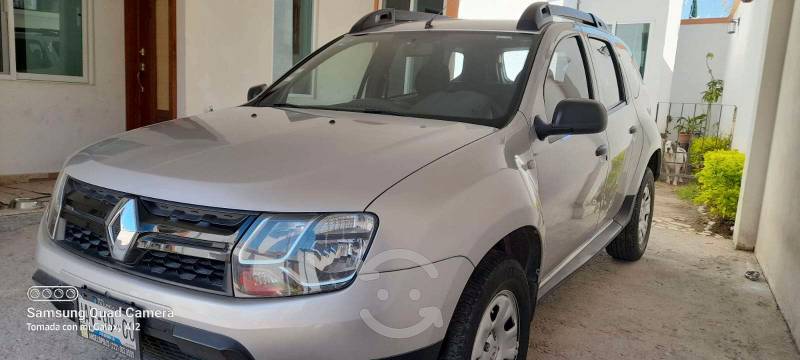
<point>539,14</point>
<point>389,17</point>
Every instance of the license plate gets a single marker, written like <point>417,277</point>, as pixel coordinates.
<point>107,322</point>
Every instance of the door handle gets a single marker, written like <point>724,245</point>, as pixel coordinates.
<point>139,77</point>
<point>602,150</point>
<point>633,129</point>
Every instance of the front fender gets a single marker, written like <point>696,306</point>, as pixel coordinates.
<point>461,205</point>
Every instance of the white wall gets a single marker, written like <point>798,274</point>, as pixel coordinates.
<point>497,9</point>
<point>224,47</point>
<point>778,247</point>
<point>663,15</point>
<point>745,67</point>
<point>753,83</point>
<point>691,75</point>
<point>41,123</point>
<point>335,18</point>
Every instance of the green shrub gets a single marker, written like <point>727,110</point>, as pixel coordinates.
<point>719,182</point>
<point>701,145</point>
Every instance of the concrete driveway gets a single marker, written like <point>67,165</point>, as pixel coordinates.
<point>686,299</point>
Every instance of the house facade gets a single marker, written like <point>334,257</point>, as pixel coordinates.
<point>76,71</point>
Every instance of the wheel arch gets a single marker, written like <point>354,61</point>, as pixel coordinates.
<point>525,246</point>
<point>654,164</point>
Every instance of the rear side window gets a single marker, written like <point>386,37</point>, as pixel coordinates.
<point>629,63</point>
<point>607,73</point>
<point>566,75</point>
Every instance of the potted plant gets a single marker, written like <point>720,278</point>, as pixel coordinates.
<point>688,127</point>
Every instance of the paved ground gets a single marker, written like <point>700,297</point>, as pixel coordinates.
<point>686,299</point>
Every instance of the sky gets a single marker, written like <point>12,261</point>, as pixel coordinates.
<point>708,8</point>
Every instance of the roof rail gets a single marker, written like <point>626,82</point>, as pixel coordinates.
<point>539,14</point>
<point>389,17</point>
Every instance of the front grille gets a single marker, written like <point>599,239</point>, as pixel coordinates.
<point>189,270</point>
<point>86,241</point>
<point>220,221</point>
<point>156,255</point>
<point>155,348</point>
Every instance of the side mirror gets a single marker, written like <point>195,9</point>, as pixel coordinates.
<point>573,116</point>
<point>254,91</point>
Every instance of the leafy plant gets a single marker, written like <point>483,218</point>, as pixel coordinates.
<point>701,145</point>
<point>720,181</point>
<point>714,87</point>
<point>713,92</point>
<point>690,125</point>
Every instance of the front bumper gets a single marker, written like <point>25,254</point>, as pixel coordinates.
<point>376,317</point>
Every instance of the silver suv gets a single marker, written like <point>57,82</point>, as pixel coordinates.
<point>407,191</point>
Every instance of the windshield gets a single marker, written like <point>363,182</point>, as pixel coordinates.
<point>473,77</point>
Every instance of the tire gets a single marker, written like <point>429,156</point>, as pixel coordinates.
<point>631,243</point>
<point>497,279</point>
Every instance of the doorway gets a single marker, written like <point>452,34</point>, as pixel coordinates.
<point>150,62</point>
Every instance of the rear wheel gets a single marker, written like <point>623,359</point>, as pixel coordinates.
<point>492,318</point>
<point>631,243</point>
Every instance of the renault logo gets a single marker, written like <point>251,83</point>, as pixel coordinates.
<point>122,228</point>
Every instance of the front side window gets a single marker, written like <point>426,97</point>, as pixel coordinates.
<point>444,75</point>
<point>607,73</point>
<point>49,37</point>
<point>566,75</point>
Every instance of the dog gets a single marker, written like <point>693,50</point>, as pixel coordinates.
<point>675,161</point>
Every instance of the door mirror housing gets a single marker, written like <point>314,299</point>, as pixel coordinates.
<point>573,116</point>
<point>254,91</point>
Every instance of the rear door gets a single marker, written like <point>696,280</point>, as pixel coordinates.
<point>622,122</point>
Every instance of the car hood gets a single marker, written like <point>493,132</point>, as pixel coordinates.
<point>268,159</point>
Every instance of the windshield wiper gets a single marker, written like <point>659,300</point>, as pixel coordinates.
<point>362,110</point>
<point>381,112</point>
<point>286,106</point>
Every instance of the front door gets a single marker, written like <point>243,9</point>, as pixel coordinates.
<point>571,169</point>
<point>150,62</point>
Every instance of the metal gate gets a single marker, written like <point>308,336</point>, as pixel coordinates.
<point>681,125</point>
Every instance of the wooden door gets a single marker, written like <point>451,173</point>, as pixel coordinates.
<point>150,62</point>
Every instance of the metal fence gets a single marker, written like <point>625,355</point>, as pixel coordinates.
<point>681,124</point>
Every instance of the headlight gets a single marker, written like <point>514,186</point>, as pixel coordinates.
<point>54,209</point>
<point>285,255</point>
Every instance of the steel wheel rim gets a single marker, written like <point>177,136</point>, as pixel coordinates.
<point>644,214</point>
<point>498,332</point>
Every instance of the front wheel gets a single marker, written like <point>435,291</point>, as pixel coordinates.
<point>631,243</point>
<point>492,318</point>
